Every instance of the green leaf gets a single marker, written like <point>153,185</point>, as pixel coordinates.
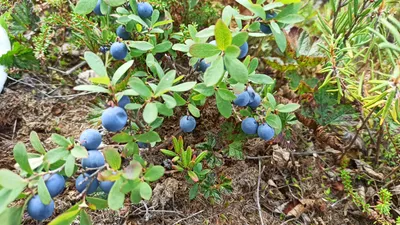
<point>150,112</point>
<point>69,165</point>
<point>85,218</point>
<point>56,154</point>
<point>261,79</point>
<point>112,158</point>
<point>200,157</point>
<point>132,171</point>
<point>133,106</point>
<point>163,22</point>
<point>253,65</point>
<point>271,100</point>
<point>193,176</point>
<point>162,47</point>
<point>85,6</point>
<point>36,144</point>
<point>240,38</point>
<point>98,203</point>
<point>291,107</point>
<point>203,50</point>
<point>290,19</point>
<point>272,5</point>
<point>115,2</point>
<point>100,80</point>
<point>226,94</point>
<point>223,35</point>
<point>232,51</point>
<point>138,19</point>
<point>145,191</point>
<point>10,180</point>
<point>170,101</point>
<point>148,137</point>
<point>193,191</point>
<point>116,197</point>
<point>236,69</point>
<point>280,37</point>
<point>21,156</point>
<point>255,8</point>
<point>165,83</point>
<point>274,121</point>
<point>12,216</point>
<point>179,100</point>
<point>138,86</point>
<point>95,63</point>
<point>79,152</point>
<point>235,150</point>
<point>92,88</point>
<point>215,72</point>
<point>141,45</point>
<point>121,71</point>
<point>66,218</point>
<point>224,107</point>
<point>60,140</point>
<point>183,86</point>
<point>9,195</point>
<point>168,152</point>
<point>194,110</point>
<point>44,194</point>
<point>204,90</point>
<point>122,138</point>
<point>154,173</point>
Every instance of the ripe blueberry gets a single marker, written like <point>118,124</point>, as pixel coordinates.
<point>122,33</point>
<point>97,10</point>
<point>145,10</point>
<point>114,119</point>
<point>265,132</point>
<point>143,145</point>
<point>202,66</point>
<point>251,92</point>
<point>187,124</point>
<point>124,101</point>
<point>256,101</point>
<point>266,27</point>
<point>94,160</point>
<point>244,49</point>
<point>106,186</point>
<point>119,50</point>
<point>39,211</point>
<point>80,184</point>
<point>55,184</point>
<point>242,99</point>
<point>90,139</point>
<point>249,126</point>
<point>104,49</point>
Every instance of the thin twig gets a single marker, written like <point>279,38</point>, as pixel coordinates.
<point>378,144</point>
<point>258,191</point>
<point>259,157</point>
<point>193,215</point>
<point>68,72</point>
<point>356,135</point>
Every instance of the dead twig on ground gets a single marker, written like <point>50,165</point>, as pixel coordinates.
<point>68,72</point>
<point>260,171</point>
<point>193,215</point>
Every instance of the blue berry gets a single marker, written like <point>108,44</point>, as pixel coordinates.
<point>242,99</point>
<point>187,124</point>
<point>265,132</point>
<point>249,126</point>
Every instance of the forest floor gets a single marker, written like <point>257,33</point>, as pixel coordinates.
<point>299,186</point>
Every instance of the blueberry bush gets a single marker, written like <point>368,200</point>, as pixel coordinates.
<point>285,75</point>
